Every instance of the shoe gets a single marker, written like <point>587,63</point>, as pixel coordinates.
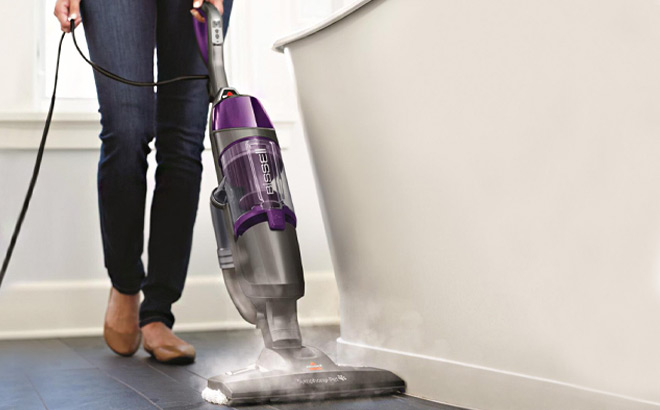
<point>163,345</point>
<point>120,328</point>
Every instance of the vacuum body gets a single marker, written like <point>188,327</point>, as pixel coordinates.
<point>259,254</point>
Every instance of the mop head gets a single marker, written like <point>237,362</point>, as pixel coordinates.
<point>214,396</point>
<point>257,387</point>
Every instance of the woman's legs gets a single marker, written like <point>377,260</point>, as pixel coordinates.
<point>181,117</point>
<point>121,38</point>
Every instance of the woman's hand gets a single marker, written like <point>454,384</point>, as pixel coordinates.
<point>66,10</point>
<point>198,3</point>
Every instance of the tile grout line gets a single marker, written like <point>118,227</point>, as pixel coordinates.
<point>196,374</point>
<point>133,389</point>
<point>169,377</point>
<point>184,369</point>
<point>153,367</point>
<point>177,381</point>
<point>36,391</point>
<point>165,374</point>
<point>65,344</point>
<point>122,382</point>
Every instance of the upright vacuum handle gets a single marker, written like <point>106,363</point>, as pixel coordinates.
<point>210,39</point>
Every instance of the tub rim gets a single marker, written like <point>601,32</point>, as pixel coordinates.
<point>338,15</point>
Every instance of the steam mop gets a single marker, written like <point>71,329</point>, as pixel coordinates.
<point>255,228</point>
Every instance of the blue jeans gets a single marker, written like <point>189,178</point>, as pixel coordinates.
<point>121,36</point>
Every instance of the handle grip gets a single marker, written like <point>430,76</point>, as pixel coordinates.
<point>210,39</point>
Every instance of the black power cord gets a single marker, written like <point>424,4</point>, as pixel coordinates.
<point>35,171</point>
<point>44,135</point>
<point>126,81</point>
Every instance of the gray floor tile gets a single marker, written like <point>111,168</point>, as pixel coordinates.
<point>26,356</point>
<point>421,404</point>
<point>218,352</point>
<point>17,393</point>
<point>161,389</point>
<point>86,389</point>
<point>82,373</point>
<point>180,374</point>
<point>95,351</point>
<point>367,403</point>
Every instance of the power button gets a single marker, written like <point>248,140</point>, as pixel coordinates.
<point>216,34</point>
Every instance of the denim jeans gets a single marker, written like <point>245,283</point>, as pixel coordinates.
<point>121,36</point>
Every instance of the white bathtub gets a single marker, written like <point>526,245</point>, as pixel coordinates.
<point>489,173</point>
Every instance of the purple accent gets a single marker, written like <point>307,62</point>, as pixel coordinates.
<point>242,111</point>
<point>238,141</point>
<point>256,186</point>
<point>246,165</point>
<point>276,218</point>
<point>242,163</point>
<point>202,37</point>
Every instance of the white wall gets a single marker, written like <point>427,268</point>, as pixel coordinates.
<point>56,284</point>
<point>497,236</point>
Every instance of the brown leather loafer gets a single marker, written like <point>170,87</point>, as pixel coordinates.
<point>120,329</point>
<point>163,345</point>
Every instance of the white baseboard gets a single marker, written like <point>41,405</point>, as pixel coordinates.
<point>48,309</point>
<point>476,387</point>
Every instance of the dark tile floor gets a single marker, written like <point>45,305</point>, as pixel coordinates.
<point>82,373</point>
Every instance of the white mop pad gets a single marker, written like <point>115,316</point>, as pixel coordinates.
<point>214,396</point>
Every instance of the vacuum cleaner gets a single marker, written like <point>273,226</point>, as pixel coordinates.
<point>255,229</point>
<point>258,251</point>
